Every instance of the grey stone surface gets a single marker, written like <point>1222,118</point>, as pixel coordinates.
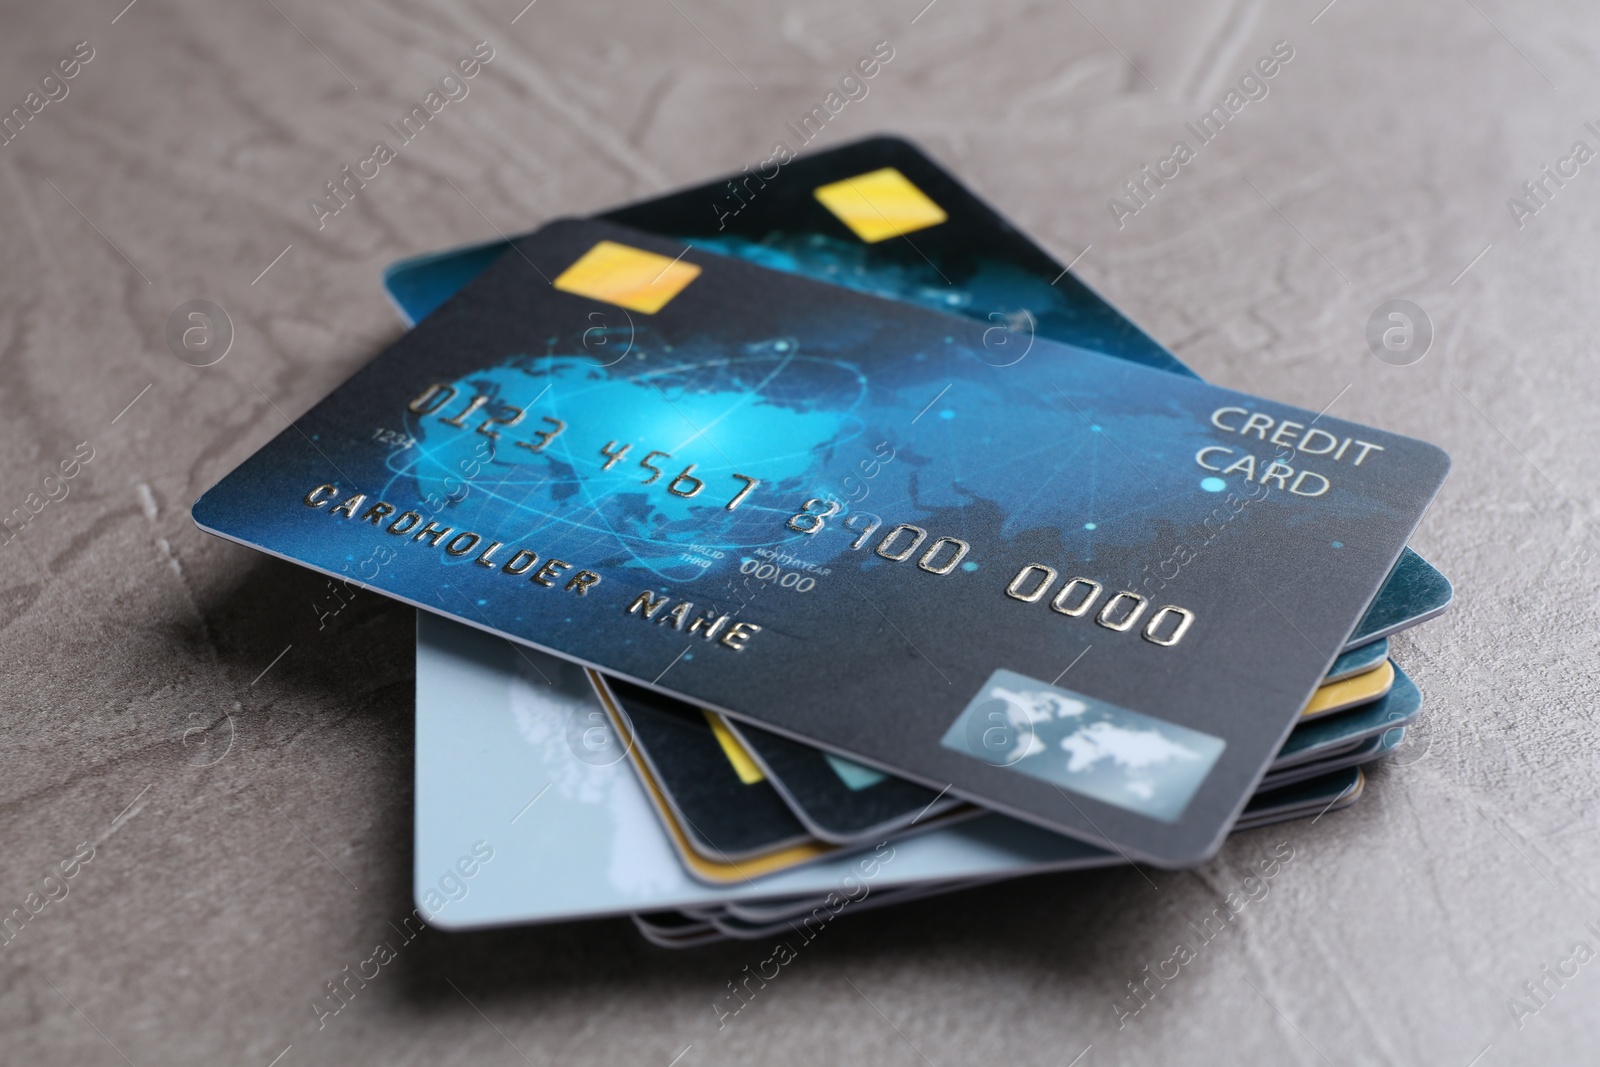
<point>251,826</point>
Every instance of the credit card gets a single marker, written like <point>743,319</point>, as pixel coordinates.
<point>1326,736</point>
<point>1351,692</point>
<point>808,383</point>
<point>729,816</point>
<point>1303,800</point>
<point>769,911</point>
<point>780,849</point>
<point>1368,751</point>
<point>972,262</point>
<point>838,800</point>
<point>758,913</point>
<point>1357,661</point>
<point>811,918</point>
<point>676,930</point>
<point>1413,593</point>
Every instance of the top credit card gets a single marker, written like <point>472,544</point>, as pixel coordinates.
<point>974,263</point>
<point>870,526</point>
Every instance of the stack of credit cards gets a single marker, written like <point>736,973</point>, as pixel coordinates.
<point>812,540</point>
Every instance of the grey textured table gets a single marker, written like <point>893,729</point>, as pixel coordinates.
<point>244,778</point>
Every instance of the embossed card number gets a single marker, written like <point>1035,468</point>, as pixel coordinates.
<point>685,484</point>
<point>1119,614</point>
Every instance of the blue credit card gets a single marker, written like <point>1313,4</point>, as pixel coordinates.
<point>1366,657</point>
<point>949,526</point>
<point>972,263</point>
<point>1323,737</point>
